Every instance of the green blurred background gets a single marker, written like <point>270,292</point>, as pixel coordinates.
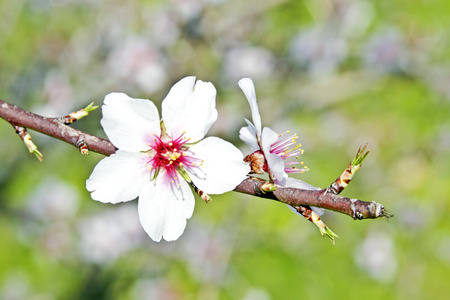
<point>340,73</point>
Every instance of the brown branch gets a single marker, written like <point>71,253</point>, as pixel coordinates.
<point>54,128</point>
<point>355,208</point>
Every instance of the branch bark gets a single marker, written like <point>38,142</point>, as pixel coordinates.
<point>355,208</point>
<point>54,128</point>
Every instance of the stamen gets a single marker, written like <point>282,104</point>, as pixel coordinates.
<point>171,156</point>
<point>287,147</point>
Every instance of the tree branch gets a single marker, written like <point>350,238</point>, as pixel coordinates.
<point>325,198</point>
<point>54,128</point>
<point>355,208</point>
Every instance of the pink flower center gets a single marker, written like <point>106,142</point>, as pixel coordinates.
<point>287,147</point>
<point>172,156</point>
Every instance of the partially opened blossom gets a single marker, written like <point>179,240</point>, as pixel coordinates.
<point>277,154</point>
<point>156,161</point>
<point>275,150</point>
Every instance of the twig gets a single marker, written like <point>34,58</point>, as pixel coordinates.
<point>26,138</point>
<point>355,208</point>
<point>344,179</point>
<point>54,128</point>
<point>325,198</point>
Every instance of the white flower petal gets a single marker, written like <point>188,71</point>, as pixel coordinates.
<point>298,184</point>
<point>293,209</point>
<point>163,209</point>
<point>268,138</point>
<point>276,167</point>
<point>119,177</point>
<point>318,210</point>
<point>274,162</point>
<point>173,107</point>
<point>129,123</point>
<point>247,86</point>
<point>248,136</point>
<point>202,111</point>
<point>223,167</point>
<point>190,109</point>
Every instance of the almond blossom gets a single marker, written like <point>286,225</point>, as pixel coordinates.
<point>273,153</point>
<point>157,161</point>
<point>271,148</point>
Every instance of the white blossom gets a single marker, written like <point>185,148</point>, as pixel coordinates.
<point>156,161</point>
<point>276,148</point>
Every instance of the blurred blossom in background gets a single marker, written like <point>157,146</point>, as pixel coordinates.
<point>376,256</point>
<point>244,61</point>
<point>137,63</point>
<point>340,73</point>
<point>386,52</point>
<point>319,50</point>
